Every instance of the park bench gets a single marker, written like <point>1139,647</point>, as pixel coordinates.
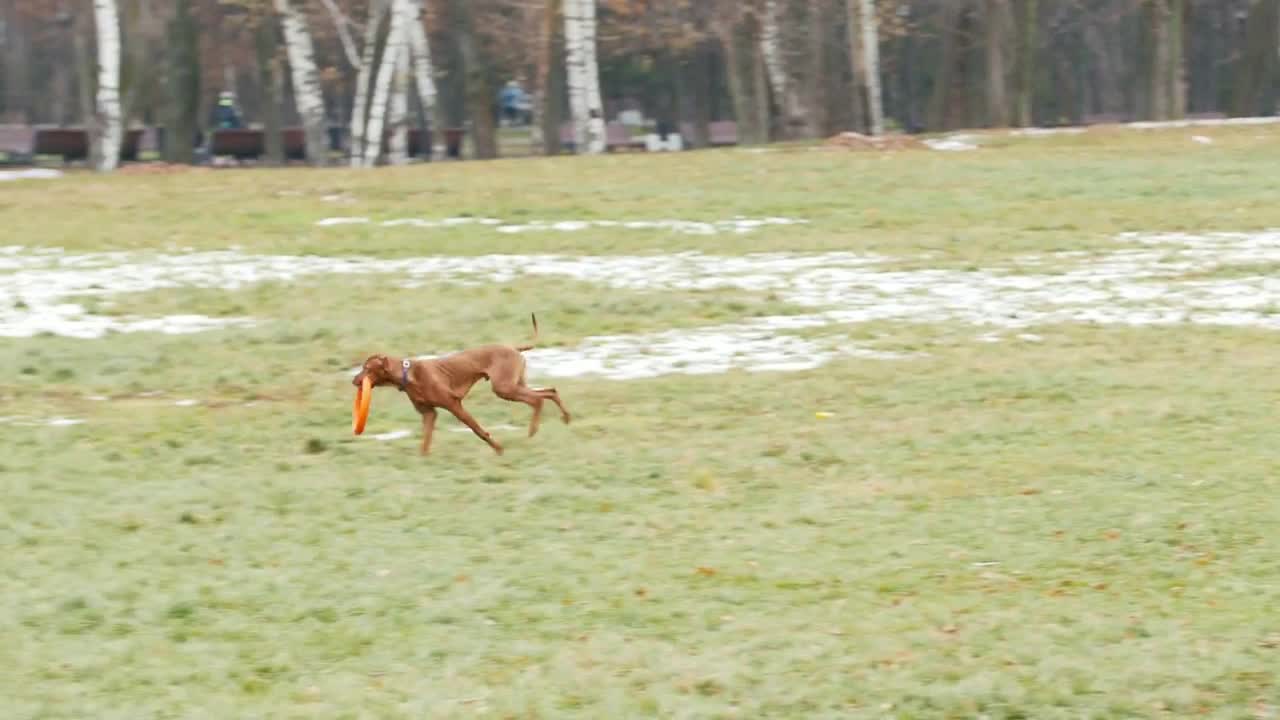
<point>16,143</point>
<point>618,137</point>
<point>239,143</point>
<point>73,143</point>
<point>724,133</point>
<point>251,144</point>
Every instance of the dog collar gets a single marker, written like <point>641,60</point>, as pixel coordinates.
<point>404,373</point>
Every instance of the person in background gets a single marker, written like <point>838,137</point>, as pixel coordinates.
<point>512,101</point>
<point>225,115</point>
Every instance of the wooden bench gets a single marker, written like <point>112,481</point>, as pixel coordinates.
<point>1104,119</point>
<point>73,143</point>
<point>16,143</point>
<point>723,133</point>
<point>618,137</point>
<point>239,143</point>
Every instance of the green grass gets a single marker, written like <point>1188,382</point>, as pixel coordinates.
<point>1079,527</point>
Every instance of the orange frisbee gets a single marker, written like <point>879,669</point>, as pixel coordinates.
<point>360,410</point>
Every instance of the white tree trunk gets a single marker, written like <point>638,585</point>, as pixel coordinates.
<point>423,73</point>
<point>108,126</point>
<point>771,48</point>
<point>360,109</point>
<point>871,66</point>
<point>307,92</point>
<point>395,47</point>
<point>398,118</point>
<point>583,70</point>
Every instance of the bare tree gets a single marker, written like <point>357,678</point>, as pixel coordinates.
<point>548,84</point>
<point>997,31</point>
<point>1254,90</point>
<point>360,104</point>
<point>271,81</point>
<point>871,64</point>
<point>1029,21</point>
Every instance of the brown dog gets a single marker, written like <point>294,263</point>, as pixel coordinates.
<point>444,382</point>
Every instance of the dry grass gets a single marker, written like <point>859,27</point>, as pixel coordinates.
<point>1082,526</point>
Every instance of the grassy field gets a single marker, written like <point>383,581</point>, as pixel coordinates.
<point>1079,524</point>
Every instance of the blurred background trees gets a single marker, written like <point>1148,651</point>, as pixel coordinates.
<point>780,69</point>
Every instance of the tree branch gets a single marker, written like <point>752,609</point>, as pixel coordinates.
<point>344,25</point>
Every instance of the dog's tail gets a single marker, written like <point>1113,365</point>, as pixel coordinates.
<point>531,345</point>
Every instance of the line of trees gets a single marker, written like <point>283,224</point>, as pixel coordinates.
<point>782,69</point>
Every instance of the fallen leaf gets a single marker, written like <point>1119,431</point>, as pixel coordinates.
<point>707,571</point>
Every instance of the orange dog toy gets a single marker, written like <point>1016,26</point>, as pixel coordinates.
<point>360,410</point>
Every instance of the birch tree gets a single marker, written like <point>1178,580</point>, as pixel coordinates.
<point>784,90</point>
<point>871,64</point>
<point>307,92</point>
<point>420,60</point>
<point>360,108</point>
<point>395,47</point>
<point>108,122</point>
<point>585,103</point>
<point>398,114</point>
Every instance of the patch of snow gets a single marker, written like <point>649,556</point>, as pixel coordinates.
<point>326,222</point>
<point>739,225</point>
<point>29,174</point>
<point>952,143</point>
<point>1202,122</point>
<point>393,435</point>
<point>1203,140</point>
<point>27,421</point>
<point>1042,132</point>
<point>1142,283</point>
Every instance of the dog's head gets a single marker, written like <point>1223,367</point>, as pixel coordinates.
<point>378,369</point>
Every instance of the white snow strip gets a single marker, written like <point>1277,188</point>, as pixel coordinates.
<point>392,435</point>
<point>738,225</point>
<point>1202,122</point>
<point>1043,132</point>
<point>952,143</point>
<point>326,222</point>
<point>1143,283</point>
<point>29,174</point>
<point>27,421</point>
